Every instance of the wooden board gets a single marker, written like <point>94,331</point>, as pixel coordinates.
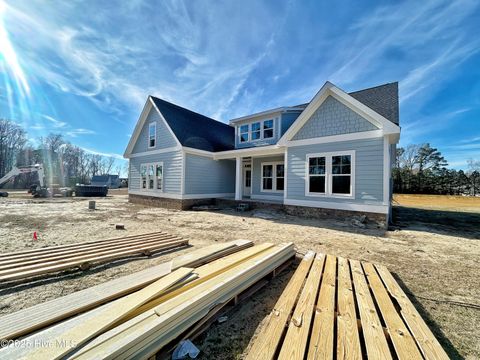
<point>361,313</point>
<point>36,317</point>
<point>266,344</point>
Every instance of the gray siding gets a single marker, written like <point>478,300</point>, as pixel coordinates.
<point>333,118</point>
<point>257,175</point>
<point>368,170</point>
<point>172,171</point>
<point>288,119</point>
<point>206,176</point>
<point>261,142</point>
<point>164,137</point>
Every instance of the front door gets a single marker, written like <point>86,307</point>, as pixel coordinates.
<point>247,182</point>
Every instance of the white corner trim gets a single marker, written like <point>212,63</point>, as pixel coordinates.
<point>154,152</point>
<point>381,209</point>
<point>335,138</point>
<point>179,196</point>
<point>285,162</point>
<point>199,152</point>
<point>184,170</point>
<point>386,170</point>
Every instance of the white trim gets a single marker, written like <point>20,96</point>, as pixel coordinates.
<point>328,89</point>
<point>274,176</point>
<point>179,196</point>
<point>285,162</point>
<point>253,151</point>
<point>386,170</point>
<point>155,185</point>
<point>267,197</point>
<point>238,178</point>
<point>199,152</point>
<point>252,117</point>
<point>154,123</point>
<point>184,170</point>
<point>154,152</point>
<point>239,131</point>
<point>166,123</point>
<point>329,175</point>
<point>381,209</point>
<point>336,138</point>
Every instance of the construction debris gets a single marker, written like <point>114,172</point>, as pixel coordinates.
<point>321,301</point>
<point>119,227</point>
<point>185,350</point>
<point>26,264</point>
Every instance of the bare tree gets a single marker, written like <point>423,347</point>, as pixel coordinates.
<point>12,140</point>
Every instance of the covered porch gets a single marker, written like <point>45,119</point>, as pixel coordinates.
<point>260,173</point>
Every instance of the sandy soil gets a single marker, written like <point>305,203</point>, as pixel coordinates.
<point>434,254</point>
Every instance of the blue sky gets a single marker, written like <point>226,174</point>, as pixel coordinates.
<point>85,68</point>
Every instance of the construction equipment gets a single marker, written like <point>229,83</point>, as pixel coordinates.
<point>34,189</point>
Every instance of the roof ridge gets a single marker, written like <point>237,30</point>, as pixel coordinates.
<point>190,111</point>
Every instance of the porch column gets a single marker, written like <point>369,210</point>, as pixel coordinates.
<point>238,178</point>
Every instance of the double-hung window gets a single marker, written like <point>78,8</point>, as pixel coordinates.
<point>151,176</point>
<point>273,176</point>
<point>268,129</point>
<point>152,134</point>
<point>330,174</point>
<point>244,133</point>
<point>256,131</point>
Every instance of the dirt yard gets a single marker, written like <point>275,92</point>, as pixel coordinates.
<point>433,250</point>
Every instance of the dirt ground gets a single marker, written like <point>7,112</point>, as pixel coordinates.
<point>433,250</point>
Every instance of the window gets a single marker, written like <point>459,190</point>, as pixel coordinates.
<point>341,174</point>
<point>244,133</point>
<point>255,131</point>
<point>273,177</point>
<point>151,176</point>
<point>316,175</point>
<point>268,129</point>
<point>152,132</point>
<point>330,174</point>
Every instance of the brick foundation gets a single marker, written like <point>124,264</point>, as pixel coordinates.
<point>175,204</point>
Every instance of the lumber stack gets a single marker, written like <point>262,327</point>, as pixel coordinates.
<point>30,263</point>
<point>145,321</point>
<point>345,309</point>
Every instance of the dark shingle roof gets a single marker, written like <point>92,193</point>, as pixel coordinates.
<point>195,130</point>
<point>382,99</point>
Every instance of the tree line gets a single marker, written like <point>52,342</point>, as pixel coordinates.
<point>422,169</point>
<point>64,163</point>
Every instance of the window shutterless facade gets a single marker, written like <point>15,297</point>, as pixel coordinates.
<point>151,176</point>
<point>152,134</point>
<point>244,133</point>
<point>256,133</point>
<point>268,129</point>
<point>273,177</point>
<point>258,130</point>
<point>330,174</point>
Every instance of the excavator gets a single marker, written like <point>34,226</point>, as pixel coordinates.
<point>40,190</point>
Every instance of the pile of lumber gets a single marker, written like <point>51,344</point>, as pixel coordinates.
<point>159,312</point>
<point>30,263</point>
<point>345,309</point>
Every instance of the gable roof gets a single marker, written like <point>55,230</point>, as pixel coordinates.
<point>382,99</point>
<point>195,130</point>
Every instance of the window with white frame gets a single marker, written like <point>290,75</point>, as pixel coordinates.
<point>268,129</point>
<point>152,134</point>
<point>273,176</point>
<point>152,176</point>
<point>244,133</point>
<point>330,174</point>
<point>256,131</point>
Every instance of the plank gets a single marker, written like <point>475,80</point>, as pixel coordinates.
<point>403,342</point>
<point>116,310</point>
<point>348,339</point>
<point>426,341</point>
<point>93,259</point>
<point>51,249</point>
<point>295,343</point>
<point>373,335</point>
<point>66,255</point>
<point>322,338</point>
<point>268,340</point>
<point>33,318</point>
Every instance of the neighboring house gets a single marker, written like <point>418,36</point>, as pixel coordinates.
<point>334,154</point>
<point>111,181</point>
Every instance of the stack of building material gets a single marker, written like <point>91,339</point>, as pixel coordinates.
<point>144,322</point>
<point>340,308</point>
<point>26,264</point>
<point>41,315</point>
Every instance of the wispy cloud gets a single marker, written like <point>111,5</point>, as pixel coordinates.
<point>56,123</point>
<point>111,155</point>
<point>80,131</point>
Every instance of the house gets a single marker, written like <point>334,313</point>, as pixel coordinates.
<point>330,156</point>
<point>110,181</point>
